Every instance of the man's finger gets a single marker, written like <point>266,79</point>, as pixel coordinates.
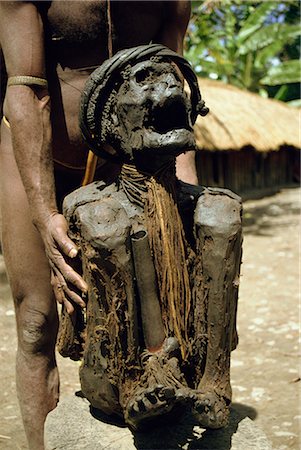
<point>59,288</point>
<point>69,307</point>
<point>68,247</point>
<point>58,291</point>
<point>74,278</point>
<point>65,243</point>
<point>70,275</point>
<point>73,296</point>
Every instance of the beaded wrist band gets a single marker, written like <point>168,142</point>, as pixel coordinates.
<point>27,81</point>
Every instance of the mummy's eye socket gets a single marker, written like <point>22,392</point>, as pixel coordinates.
<point>142,75</point>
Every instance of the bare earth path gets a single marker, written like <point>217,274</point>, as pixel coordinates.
<point>265,367</point>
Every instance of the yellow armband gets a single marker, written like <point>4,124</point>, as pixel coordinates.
<point>27,81</point>
<point>6,122</point>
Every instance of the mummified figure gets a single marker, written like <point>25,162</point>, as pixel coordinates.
<point>161,257</point>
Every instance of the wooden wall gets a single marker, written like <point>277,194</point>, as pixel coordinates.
<point>246,170</point>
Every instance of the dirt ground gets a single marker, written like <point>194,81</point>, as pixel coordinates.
<point>265,367</point>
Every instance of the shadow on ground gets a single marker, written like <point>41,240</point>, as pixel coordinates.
<point>259,220</point>
<point>184,432</point>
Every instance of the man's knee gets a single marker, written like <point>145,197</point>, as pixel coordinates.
<point>37,331</point>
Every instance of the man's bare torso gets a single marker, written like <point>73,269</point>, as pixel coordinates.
<point>77,43</point>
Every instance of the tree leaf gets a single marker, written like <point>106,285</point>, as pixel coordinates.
<point>242,40</point>
<point>265,54</point>
<point>294,103</point>
<point>269,34</point>
<point>263,93</point>
<point>285,73</point>
<point>281,93</point>
<point>255,20</point>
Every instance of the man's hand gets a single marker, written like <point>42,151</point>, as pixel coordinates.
<point>68,286</point>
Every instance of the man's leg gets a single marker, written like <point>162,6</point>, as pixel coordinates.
<point>36,315</point>
<point>186,169</point>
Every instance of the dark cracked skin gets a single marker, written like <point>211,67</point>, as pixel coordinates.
<point>42,159</point>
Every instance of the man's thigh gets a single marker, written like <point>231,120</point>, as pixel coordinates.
<point>25,259</point>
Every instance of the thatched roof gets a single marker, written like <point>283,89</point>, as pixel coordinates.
<point>240,118</point>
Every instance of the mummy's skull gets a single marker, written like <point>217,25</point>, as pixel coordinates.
<point>152,111</point>
<point>136,103</point>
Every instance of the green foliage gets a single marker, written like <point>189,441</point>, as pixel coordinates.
<point>267,35</point>
<point>287,72</point>
<point>251,44</point>
<point>255,20</point>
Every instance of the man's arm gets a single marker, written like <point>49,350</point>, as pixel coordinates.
<point>177,15</point>
<point>28,111</point>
